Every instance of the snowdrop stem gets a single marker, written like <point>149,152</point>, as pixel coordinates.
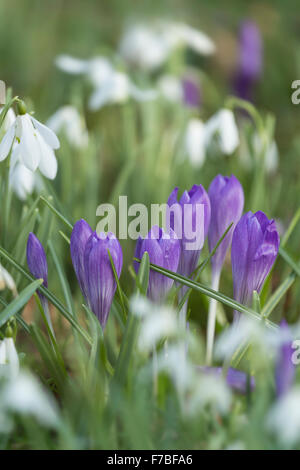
<point>182,315</point>
<point>212,320</point>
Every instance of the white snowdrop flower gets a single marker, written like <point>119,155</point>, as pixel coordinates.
<point>110,85</point>
<point>9,119</point>
<point>141,45</point>
<point>194,142</point>
<point>9,358</point>
<point>68,121</point>
<point>149,46</point>
<point>271,156</point>
<point>6,280</point>
<point>21,180</point>
<point>171,88</point>
<point>35,145</point>
<point>158,322</point>
<point>183,34</point>
<point>223,126</point>
<point>238,334</point>
<point>284,417</point>
<point>176,364</point>
<point>209,390</point>
<point>26,396</point>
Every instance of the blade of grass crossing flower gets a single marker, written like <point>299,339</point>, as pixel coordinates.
<point>19,302</point>
<point>210,293</point>
<point>48,294</point>
<point>119,289</point>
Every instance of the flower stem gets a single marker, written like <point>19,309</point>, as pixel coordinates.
<point>210,335</point>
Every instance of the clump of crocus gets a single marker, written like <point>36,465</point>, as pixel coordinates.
<point>189,227</point>
<point>255,245</point>
<point>227,202</point>
<point>37,264</point>
<point>164,250</point>
<point>249,67</point>
<point>285,368</point>
<point>93,268</point>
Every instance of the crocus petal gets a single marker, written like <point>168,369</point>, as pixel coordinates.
<point>285,369</point>
<point>36,258</point>
<point>7,142</point>
<point>47,134</point>
<point>80,234</point>
<point>227,201</point>
<point>101,284</point>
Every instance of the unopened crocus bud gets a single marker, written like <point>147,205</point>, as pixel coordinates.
<point>80,234</point>
<point>227,202</point>
<point>255,245</point>
<point>36,259</point>
<point>92,265</point>
<point>249,67</point>
<point>164,250</point>
<point>285,368</point>
<point>190,225</point>
<point>191,93</point>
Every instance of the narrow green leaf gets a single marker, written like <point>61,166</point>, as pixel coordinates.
<point>18,303</point>
<point>56,212</point>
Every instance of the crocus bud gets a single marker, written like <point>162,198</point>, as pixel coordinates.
<point>164,250</point>
<point>36,259</point>
<point>191,93</point>
<point>249,66</point>
<point>255,245</point>
<point>93,267</point>
<point>187,225</point>
<point>285,369</point>
<point>227,201</point>
<point>80,234</point>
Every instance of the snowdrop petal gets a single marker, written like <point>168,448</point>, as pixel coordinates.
<point>2,353</point>
<point>12,358</point>
<point>48,135</point>
<point>48,162</point>
<point>195,142</point>
<point>71,64</point>
<point>7,142</point>
<point>196,39</point>
<point>100,97</point>
<point>6,280</point>
<point>29,147</point>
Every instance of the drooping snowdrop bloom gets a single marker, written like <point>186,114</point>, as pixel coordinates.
<point>67,120</point>
<point>9,360</point>
<point>255,245</point>
<point>35,143</point>
<point>26,396</point>
<point>91,262</point>
<point>157,322</point>
<point>190,227</point>
<point>110,85</point>
<point>283,419</point>
<point>222,126</point>
<point>285,369</point>
<point>21,180</point>
<point>149,46</point>
<point>6,280</point>
<point>227,202</point>
<point>248,153</point>
<point>164,250</point>
<point>195,142</point>
<point>249,67</point>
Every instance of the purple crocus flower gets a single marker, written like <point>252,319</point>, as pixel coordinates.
<point>227,202</point>
<point>164,250</point>
<point>285,369</point>
<point>255,245</point>
<point>93,267</point>
<point>235,379</point>
<point>191,93</point>
<point>37,264</point>
<point>185,222</point>
<point>249,67</point>
<point>36,259</point>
